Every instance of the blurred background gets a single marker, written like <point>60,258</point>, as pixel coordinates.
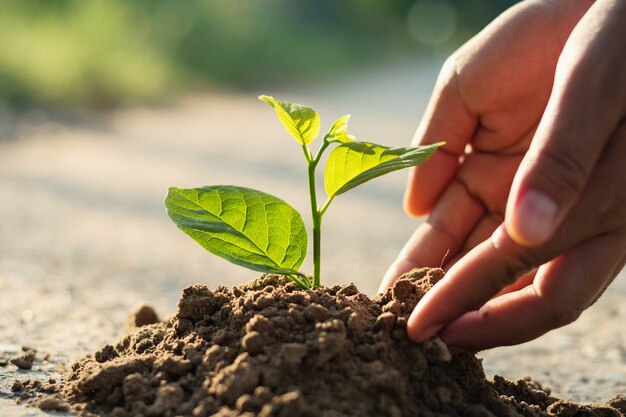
<point>104,104</point>
<point>98,53</point>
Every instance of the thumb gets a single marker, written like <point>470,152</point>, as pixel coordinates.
<point>576,125</point>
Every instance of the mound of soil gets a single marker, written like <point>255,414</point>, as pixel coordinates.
<point>269,348</point>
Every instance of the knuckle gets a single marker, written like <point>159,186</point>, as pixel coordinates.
<point>608,215</point>
<point>564,172</point>
<point>516,266</point>
<point>438,224</point>
<point>495,283</point>
<point>514,261</point>
<point>449,75</point>
<point>564,315</point>
<point>607,202</point>
<point>450,67</point>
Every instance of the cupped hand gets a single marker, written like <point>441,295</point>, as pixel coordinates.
<point>529,194</point>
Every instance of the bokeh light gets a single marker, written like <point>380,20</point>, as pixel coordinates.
<point>432,22</point>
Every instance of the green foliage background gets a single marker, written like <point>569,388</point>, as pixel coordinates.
<point>100,52</point>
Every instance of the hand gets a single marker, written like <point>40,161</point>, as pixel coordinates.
<point>535,243</point>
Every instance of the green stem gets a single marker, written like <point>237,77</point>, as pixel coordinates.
<point>317,158</point>
<point>325,206</point>
<point>303,283</point>
<point>317,237</point>
<point>316,222</point>
<point>316,212</point>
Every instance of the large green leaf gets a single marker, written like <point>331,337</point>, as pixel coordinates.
<point>302,122</point>
<point>244,226</point>
<point>353,163</point>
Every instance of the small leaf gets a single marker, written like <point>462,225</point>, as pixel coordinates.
<point>302,122</point>
<point>344,137</point>
<point>338,131</point>
<point>244,226</point>
<point>353,163</point>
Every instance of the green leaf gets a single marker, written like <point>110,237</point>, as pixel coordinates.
<point>302,122</point>
<point>353,163</point>
<point>338,131</point>
<point>244,226</point>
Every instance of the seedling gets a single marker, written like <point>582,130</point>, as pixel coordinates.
<point>262,232</point>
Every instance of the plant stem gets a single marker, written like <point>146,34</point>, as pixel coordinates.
<point>317,158</point>
<point>316,212</point>
<point>317,237</point>
<point>316,222</point>
<point>302,283</point>
<point>325,206</point>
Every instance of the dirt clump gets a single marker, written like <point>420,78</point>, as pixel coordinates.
<point>269,348</point>
<point>619,402</point>
<point>26,359</point>
<point>142,315</point>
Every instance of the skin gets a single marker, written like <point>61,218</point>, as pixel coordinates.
<point>527,201</point>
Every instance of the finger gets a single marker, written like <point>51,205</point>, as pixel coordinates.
<point>517,285</point>
<point>522,282</point>
<point>578,120</point>
<point>561,291</point>
<point>448,119</point>
<point>492,197</point>
<point>472,281</point>
<point>616,272</point>
<point>481,232</point>
<point>445,230</point>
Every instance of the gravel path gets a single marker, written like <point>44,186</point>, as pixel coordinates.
<point>84,235</point>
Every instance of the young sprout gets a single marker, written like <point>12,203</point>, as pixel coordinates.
<point>262,232</point>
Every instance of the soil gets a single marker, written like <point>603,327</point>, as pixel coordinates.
<point>26,359</point>
<point>268,348</point>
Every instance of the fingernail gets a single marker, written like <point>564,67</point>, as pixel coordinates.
<point>430,331</point>
<point>536,218</point>
<point>421,335</point>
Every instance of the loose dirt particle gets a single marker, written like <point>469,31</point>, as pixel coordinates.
<point>142,315</point>
<point>26,359</point>
<point>53,404</point>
